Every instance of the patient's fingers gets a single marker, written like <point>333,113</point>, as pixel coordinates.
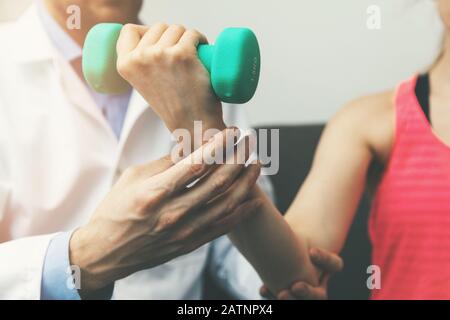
<point>285,295</point>
<point>265,293</point>
<point>129,38</point>
<point>304,291</point>
<point>326,261</point>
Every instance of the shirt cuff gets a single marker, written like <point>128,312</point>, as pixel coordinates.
<point>60,280</point>
<point>57,275</point>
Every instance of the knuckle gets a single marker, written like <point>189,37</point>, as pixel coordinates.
<point>153,55</point>
<point>221,183</point>
<point>140,202</point>
<point>196,168</point>
<point>195,34</point>
<point>123,66</point>
<point>135,59</point>
<point>156,195</point>
<point>132,172</point>
<point>184,235</point>
<point>180,210</point>
<point>128,27</point>
<point>139,57</point>
<point>164,187</point>
<point>171,219</point>
<point>230,207</point>
<point>182,55</point>
<point>164,223</point>
<point>160,25</point>
<point>178,27</point>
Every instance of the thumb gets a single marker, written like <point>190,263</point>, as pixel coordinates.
<point>155,167</point>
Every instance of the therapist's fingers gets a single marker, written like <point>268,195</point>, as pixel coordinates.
<point>129,38</point>
<point>217,182</point>
<point>218,211</point>
<point>152,36</point>
<point>150,169</point>
<point>195,165</point>
<point>304,291</point>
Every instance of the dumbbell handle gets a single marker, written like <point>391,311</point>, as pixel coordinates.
<point>205,54</point>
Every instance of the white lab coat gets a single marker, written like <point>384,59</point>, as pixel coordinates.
<point>58,159</point>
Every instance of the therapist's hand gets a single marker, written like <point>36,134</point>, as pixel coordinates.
<point>162,64</point>
<point>150,217</point>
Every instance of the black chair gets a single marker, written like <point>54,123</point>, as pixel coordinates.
<point>297,148</point>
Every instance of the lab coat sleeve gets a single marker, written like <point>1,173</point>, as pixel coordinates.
<point>21,263</point>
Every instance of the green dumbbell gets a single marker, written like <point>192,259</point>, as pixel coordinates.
<point>233,62</point>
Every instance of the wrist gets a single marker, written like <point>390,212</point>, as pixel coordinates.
<point>216,123</point>
<point>191,135</point>
<point>84,254</point>
<point>209,116</point>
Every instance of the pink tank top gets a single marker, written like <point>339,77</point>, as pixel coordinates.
<point>410,220</point>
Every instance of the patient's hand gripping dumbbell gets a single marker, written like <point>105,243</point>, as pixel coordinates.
<point>233,62</point>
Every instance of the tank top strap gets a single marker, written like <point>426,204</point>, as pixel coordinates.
<point>411,122</point>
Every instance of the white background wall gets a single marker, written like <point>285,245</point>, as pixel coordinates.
<point>317,54</point>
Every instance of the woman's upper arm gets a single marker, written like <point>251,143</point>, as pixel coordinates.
<point>325,205</point>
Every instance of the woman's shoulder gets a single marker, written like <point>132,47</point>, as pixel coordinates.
<point>373,105</point>
<point>373,118</point>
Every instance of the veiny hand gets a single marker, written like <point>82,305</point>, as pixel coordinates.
<point>162,64</point>
<point>151,217</point>
<point>327,262</point>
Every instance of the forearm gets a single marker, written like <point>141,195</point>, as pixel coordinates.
<point>278,255</point>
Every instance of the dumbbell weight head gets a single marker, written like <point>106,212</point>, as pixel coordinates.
<point>100,57</point>
<point>233,62</point>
